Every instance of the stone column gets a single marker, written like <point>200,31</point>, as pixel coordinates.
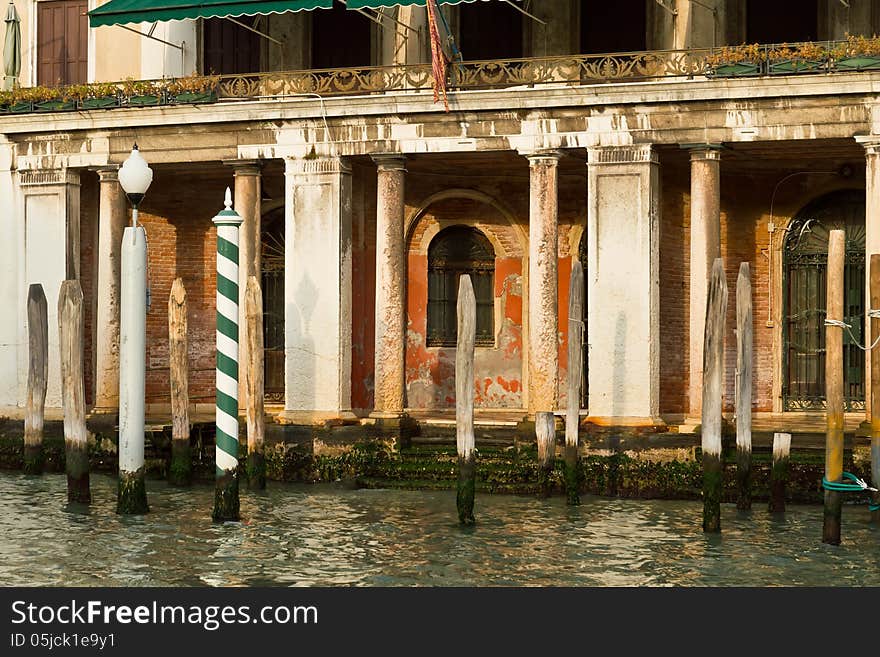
<point>390,287</point>
<point>705,237</point>
<point>872,240</point>
<point>112,218</point>
<point>623,286</point>
<point>246,201</point>
<point>317,290</point>
<point>543,338</point>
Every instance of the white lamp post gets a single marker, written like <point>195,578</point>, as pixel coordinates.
<point>135,178</point>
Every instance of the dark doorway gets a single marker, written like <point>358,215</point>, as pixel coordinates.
<point>340,38</point>
<point>619,26</point>
<point>805,267</point>
<point>272,263</point>
<point>585,379</point>
<point>781,21</point>
<point>229,48</point>
<point>490,30</point>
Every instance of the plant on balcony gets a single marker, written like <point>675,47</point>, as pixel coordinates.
<point>6,99</point>
<point>94,96</point>
<point>802,58</point>
<point>857,53</point>
<point>138,93</point>
<point>29,99</point>
<point>194,89</point>
<point>736,61</point>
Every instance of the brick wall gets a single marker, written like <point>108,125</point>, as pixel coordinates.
<point>181,241</point>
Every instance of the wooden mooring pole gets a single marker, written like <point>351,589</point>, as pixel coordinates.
<point>254,380</point>
<point>744,361</point>
<point>38,376</point>
<point>71,347</point>
<point>713,367</point>
<point>875,386</point>
<point>779,472</point>
<point>180,473</point>
<point>834,386</point>
<point>575,372</point>
<point>464,400</point>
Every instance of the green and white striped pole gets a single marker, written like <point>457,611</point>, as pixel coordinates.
<point>226,503</point>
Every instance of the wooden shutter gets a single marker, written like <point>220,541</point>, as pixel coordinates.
<point>62,42</point>
<point>230,48</point>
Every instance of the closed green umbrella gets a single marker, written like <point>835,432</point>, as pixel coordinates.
<point>12,48</point>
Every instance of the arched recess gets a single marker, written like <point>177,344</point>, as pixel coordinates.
<point>420,239</point>
<point>804,267</point>
<point>501,375</point>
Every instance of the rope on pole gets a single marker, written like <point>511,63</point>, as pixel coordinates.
<point>872,314</point>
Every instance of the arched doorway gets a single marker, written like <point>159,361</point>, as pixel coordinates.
<point>805,257</point>
<point>585,379</point>
<point>272,281</point>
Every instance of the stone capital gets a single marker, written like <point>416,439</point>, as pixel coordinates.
<point>317,165</point>
<point>542,158</point>
<point>245,167</point>
<point>108,174</point>
<point>629,154</point>
<point>871,144</point>
<point>703,152</point>
<point>34,177</point>
<point>390,161</point>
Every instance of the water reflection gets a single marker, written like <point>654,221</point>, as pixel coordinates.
<point>323,535</point>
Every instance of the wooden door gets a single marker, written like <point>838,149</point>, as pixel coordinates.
<point>62,42</point>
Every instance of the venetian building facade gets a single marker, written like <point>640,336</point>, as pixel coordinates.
<point>364,200</point>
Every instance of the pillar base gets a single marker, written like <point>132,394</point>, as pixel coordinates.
<point>325,418</point>
<point>103,420</point>
<point>643,424</point>
<point>398,426</point>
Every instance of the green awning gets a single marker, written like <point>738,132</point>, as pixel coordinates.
<point>120,12</point>
<point>376,4</point>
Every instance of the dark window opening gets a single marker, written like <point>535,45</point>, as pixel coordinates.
<point>230,49</point>
<point>781,21</point>
<point>619,26</point>
<point>340,38</point>
<point>490,30</point>
<point>455,251</point>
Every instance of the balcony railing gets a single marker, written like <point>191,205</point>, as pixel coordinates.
<point>855,54</point>
<point>488,74</point>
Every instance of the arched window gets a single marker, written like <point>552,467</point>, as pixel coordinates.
<point>805,265</point>
<point>455,251</point>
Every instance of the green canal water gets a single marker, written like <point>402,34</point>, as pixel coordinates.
<point>301,535</point>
